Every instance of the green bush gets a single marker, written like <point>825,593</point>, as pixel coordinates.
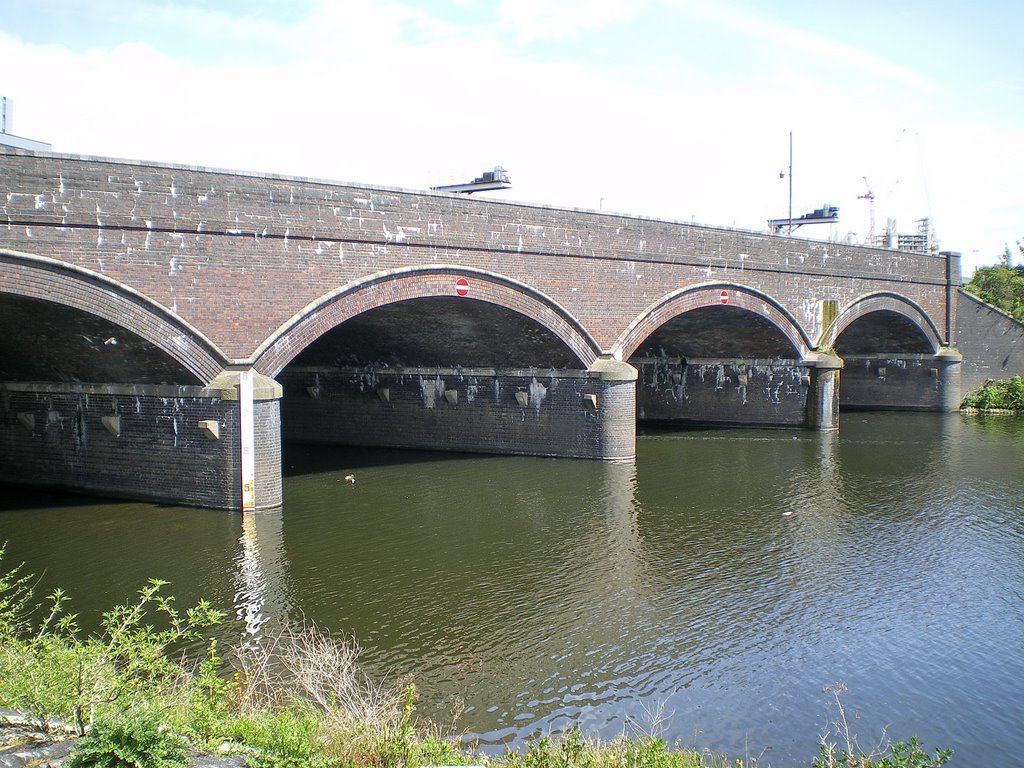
<point>15,600</point>
<point>132,740</point>
<point>57,674</point>
<point>1001,286</point>
<point>998,394</point>
<point>202,707</point>
<point>839,748</point>
<point>654,753</point>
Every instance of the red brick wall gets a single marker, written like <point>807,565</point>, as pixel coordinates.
<point>240,257</point>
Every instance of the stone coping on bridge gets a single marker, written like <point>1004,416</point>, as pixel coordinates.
<point>224,387</point>
<point>946,354</point>
<point>253,174</point>
<point>605,371</point>
<point>756,361</point>
<point>813,360</point>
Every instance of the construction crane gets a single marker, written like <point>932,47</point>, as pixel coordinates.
<point>870,197</point>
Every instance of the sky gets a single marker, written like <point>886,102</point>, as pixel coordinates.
<point>674,109</point>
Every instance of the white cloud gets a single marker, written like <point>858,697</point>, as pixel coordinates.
<point>384,93</point>
<point>785,37</point>
<point>559,19</point>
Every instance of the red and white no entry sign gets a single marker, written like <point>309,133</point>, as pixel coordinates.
<point>724,298</point>
<point>462,286</point>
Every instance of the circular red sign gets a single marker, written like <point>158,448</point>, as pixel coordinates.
<point>724,298</point>
<point>462,286</point>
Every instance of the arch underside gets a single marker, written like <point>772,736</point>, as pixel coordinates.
<point>408,362</point>
<point>69,324</point>
<point>890,351</point>
<point>883,323</point>
<point>709,361</point>
<point>718,332</point>
<point>441,332</point>
<point>53,342</point>
<point>695,322</point>
<point>418,318</point>
<point>883,331</point>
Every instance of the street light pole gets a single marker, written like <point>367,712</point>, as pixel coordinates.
<point>791,182</point>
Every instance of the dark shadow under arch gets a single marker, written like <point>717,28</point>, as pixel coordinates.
<point>888,303</point>
<point>396,286</point>
<point>710,295</point>
<point>35,278</point>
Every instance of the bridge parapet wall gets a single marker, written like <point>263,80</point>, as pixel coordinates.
<point>210,245</point>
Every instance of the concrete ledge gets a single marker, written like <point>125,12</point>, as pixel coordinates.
<point>400,370</point>
<point>823,360</point>
<point>127,390</point>
<point>606,369</point>
<point>225,386</point>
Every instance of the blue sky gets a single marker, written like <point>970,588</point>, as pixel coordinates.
<point>677,109</point>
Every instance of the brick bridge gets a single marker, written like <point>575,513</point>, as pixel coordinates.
<point>167,326</point>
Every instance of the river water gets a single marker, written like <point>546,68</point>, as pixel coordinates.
<point>709,591</point>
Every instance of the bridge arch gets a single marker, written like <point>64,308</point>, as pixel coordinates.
<point>390,287</point>
<point>711,295</point>
<point>33,278</point>
<point>886,303</point>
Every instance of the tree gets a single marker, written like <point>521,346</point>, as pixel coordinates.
<point>1001,285</point>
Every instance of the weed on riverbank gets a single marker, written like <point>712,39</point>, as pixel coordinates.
<point>296,698</point>
<point>997,395</point>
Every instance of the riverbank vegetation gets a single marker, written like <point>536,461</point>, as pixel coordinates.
<point>136,694</point>
<point>1001,285</point>
<point>998,395</point>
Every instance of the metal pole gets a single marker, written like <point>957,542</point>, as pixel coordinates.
<point>791,182</point>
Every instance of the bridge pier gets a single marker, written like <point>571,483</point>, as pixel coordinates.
<point>902,381</point>
<point>569,413</point>
<point>176,444</point>
<point>823,393</point>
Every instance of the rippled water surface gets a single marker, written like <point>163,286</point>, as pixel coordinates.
<point>711,589</point>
